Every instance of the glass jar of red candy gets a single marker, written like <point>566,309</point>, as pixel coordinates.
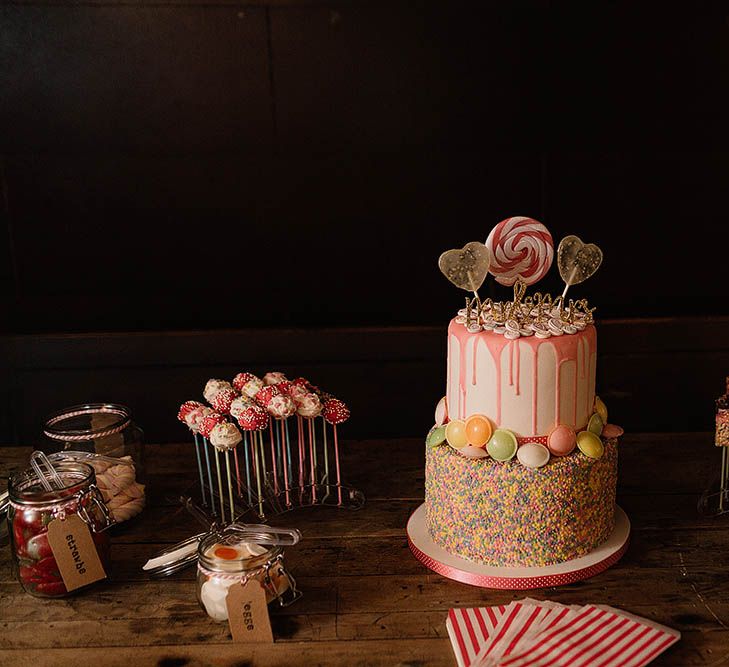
<point>31,508</point>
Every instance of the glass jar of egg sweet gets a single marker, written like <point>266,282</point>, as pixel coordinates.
<point>226,558</point>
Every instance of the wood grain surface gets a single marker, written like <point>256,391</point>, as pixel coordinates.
<point>367,601</point>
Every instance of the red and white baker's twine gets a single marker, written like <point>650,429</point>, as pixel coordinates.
<point>85,436</point>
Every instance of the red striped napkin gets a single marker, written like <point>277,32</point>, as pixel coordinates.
<point>540,633</point>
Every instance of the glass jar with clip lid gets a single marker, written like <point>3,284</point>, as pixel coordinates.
<point>235,553</point>
<point>36,497</point>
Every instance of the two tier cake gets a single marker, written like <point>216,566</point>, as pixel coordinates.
<point>521,464</point>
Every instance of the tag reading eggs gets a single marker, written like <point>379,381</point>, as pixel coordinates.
<point>75,552</point>
<point>248,613</point>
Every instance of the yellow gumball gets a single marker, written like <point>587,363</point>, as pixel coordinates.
<point>478,430</point>
<point>601,409</point>
<point>456,434</point>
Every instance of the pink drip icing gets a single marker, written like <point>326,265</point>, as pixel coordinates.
<point>535,384</point>
<point>518,364</point>
<point>463,342</point>
<point>511,364</point>
<point>473,369</point>
<point>565,348</point>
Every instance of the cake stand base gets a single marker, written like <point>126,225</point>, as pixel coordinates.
<point>516,578</point>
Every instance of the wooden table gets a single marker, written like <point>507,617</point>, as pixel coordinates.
<point>367,601</point>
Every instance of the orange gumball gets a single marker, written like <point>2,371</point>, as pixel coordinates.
<point>478,430</point>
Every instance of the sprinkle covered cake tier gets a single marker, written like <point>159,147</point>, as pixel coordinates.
<point>506,514</point>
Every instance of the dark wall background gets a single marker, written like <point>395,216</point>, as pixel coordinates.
<point>269,166</point>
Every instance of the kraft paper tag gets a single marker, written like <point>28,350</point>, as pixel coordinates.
<point>75,552</point>
<point>248,613</point>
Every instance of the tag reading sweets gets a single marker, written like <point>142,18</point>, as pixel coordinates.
<point>75,552</point>
<point>248,613</point>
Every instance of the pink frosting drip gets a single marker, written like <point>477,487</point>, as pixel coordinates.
<point>566,347</point>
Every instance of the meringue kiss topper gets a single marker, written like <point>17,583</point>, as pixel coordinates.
<point>577,261</point>
<point>468,267</point>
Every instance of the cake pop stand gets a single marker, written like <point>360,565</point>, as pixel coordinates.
<point>516,578</point>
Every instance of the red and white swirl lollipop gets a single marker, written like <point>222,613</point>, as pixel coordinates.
<point>521,249</point>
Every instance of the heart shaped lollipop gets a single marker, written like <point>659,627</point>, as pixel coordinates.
<point>466,268</point>
<point>577,261</point>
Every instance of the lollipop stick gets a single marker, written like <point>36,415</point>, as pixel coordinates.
<point>315,464</point>
<point>280,447</point>
<point>230,485</point>
<point>311,460</point>
<point>237,469</point>
<point>248,467</point>
<point>199,468</point>
<point>254,447</point>
<point>279,444</point>
<point>325,479</point>
<point>289,463</point>
<point>273,456</point>
<point>210,475</point>
<point>336,454</point>
<point>220,486</point>
<point>259,467</point>
<point>473,284</point>
<point>301,458</point>
<point>567,285</point>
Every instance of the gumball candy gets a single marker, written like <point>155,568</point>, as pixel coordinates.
<point>281,406</point>
<point>253,418</point>
<point>562,440</point>
<point>240,380</point>
<point>595,424</point>
<point>265,394</point>
<point>225,436</point>
<point>533,455</point>
<point>441,411</point>
<point>471,452</point>
<point>456,434</point>
<point>436,436</point>
<point>612,431</point>
<point>521,249</point>
<point>186,408</point>
<point>601,409</point>
<point>335,411</point>
<point>503,445</point>
<point>590,444</point>
<point>208,423</point>
<point>213,386</point>
<point>309,406</point>
<point>478,430</point>
<point>223,399</point>
<point>274,378</point>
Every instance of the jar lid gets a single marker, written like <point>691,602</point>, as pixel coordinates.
<point>174,558</point>
<point>183,554</point>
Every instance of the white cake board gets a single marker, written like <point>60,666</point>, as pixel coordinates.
<point>516,578</point>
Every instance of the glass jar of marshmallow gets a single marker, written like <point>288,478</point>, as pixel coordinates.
<point>236,555</point>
